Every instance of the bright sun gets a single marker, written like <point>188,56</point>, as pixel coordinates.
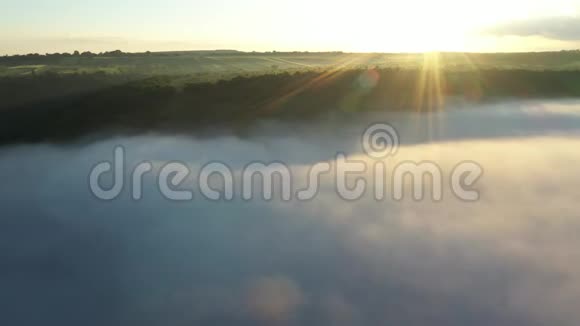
<point>444,25</point>
<point>408,28</point>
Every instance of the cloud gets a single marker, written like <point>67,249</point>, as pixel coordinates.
<point>511,258</point>
<point>556,28</point>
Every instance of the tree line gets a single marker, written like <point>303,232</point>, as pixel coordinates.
<point>68,107</point>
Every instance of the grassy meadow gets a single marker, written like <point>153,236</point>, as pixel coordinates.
<point>212,63</point>
<point>67,96</point>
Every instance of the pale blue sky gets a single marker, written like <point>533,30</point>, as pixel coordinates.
<point>364,25</point>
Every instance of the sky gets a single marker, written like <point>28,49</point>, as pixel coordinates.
<point>40,26</point>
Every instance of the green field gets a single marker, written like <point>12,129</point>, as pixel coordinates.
<point>213,64</point>
<point>62,97</point>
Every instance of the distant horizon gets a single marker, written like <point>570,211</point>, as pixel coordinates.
<point>277,51</point>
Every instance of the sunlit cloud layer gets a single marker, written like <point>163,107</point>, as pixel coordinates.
<point>508,259</point>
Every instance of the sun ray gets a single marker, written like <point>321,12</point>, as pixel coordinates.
<point>430,89</point>
<point>325,77</point>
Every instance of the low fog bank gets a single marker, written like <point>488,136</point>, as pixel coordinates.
<point>508,259</point>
